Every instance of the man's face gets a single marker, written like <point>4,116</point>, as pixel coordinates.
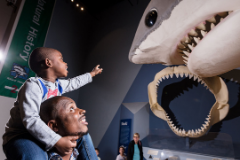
<point>71,120</point>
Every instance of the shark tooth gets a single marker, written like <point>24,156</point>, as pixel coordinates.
<point>193,132</point>
<point>212,20</point>
<point>205,126</point>
<point>171,122</point>
<point>194,78</point>
<point>181,75</point>
<point>177,75</point>
<point>186,74</point>
<point>163,78</point>
<point>171,75</point>
<point>202,82</point>
<point>196,40</point>
<point>190,47</point>
<point>208,119</point>
<point>209,115</point>
<point>212,25</point>
<point>190,76</point>
<point>199,130</point>
<point>186,58</point>
<point>186,40</point>
<point>223,14</point>
<point>202,128</point>
<point>186,53</point>
<point>199,80</point>
<point>203,33</point>
<point>201,26</point>
<point>193,33</point>
<point>160,80</point>
<point>181,46</point>
<point>167,76</point>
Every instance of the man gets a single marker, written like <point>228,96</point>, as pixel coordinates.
<point>63,116</point>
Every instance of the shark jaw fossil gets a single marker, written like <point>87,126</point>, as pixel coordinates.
<point>206,32</point>
<point>215,85</point>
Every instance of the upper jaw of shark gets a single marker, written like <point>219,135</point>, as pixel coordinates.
<point>206,33</point>
<point>215,85</point>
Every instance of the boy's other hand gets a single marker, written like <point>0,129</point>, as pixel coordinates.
<point>66,144</point>
<point>96,71</point>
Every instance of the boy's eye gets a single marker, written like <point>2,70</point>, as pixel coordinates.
<point>71,109</point>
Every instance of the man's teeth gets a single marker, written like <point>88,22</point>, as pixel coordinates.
<point>83,120</point>
<point>195,35</point>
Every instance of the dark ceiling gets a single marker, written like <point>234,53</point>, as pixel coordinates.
<point>96,6</point>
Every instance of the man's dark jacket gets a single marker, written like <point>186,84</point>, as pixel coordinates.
<point>131,150</point>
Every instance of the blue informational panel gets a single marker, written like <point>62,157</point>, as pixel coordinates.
<point>125,133</point>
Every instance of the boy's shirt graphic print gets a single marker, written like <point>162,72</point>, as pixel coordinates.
<point>52,93</point>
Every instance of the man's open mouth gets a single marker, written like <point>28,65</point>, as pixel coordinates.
<point>218,111</point>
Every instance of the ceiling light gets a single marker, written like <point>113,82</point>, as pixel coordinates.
<point>72,0</point>
<point>82,8</point>
<point>77,5</point>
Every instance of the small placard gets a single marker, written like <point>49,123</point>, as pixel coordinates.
<point>153,152</point>
<point>156,159</point>
<point>190,159</point>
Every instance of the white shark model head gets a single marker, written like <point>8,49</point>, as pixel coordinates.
<point>203,34</point>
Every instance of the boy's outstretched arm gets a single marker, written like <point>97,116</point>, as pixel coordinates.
<point>96,71</point>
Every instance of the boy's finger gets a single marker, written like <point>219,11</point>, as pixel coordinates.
<point>97,66</point>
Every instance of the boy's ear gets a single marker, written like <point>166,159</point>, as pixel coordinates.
<point>53,125</point>
<point>48,62</point>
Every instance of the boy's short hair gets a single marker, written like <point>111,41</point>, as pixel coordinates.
<point>37,58</point>
<point>136,134</point>
<point>97,149</point>
<point>122,148</point>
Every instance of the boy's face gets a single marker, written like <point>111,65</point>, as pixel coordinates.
<point>97,152</point>
<point>121,151</point>
<point>72,120</point>
<point>135,138</point>
<point>59,66</point>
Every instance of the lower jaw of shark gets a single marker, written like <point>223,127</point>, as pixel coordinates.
<point>215,85</point>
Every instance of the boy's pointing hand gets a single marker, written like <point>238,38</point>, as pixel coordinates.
<point>96,71</point>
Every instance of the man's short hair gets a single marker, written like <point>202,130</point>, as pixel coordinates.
<point>48,109</point>
<point>37,58</point>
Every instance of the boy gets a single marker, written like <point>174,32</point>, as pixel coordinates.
<point>97,152</point>
<point>121,156</point>
<point>58,112</point>
<point>25,133</point>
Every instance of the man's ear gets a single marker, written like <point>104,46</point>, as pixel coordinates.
<point>48,62</point>
<point>53,125</point>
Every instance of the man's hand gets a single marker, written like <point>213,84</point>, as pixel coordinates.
<point>96,71</point>
<point>65,145</point>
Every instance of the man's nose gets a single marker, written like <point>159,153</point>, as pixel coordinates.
<point>81,111</point>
